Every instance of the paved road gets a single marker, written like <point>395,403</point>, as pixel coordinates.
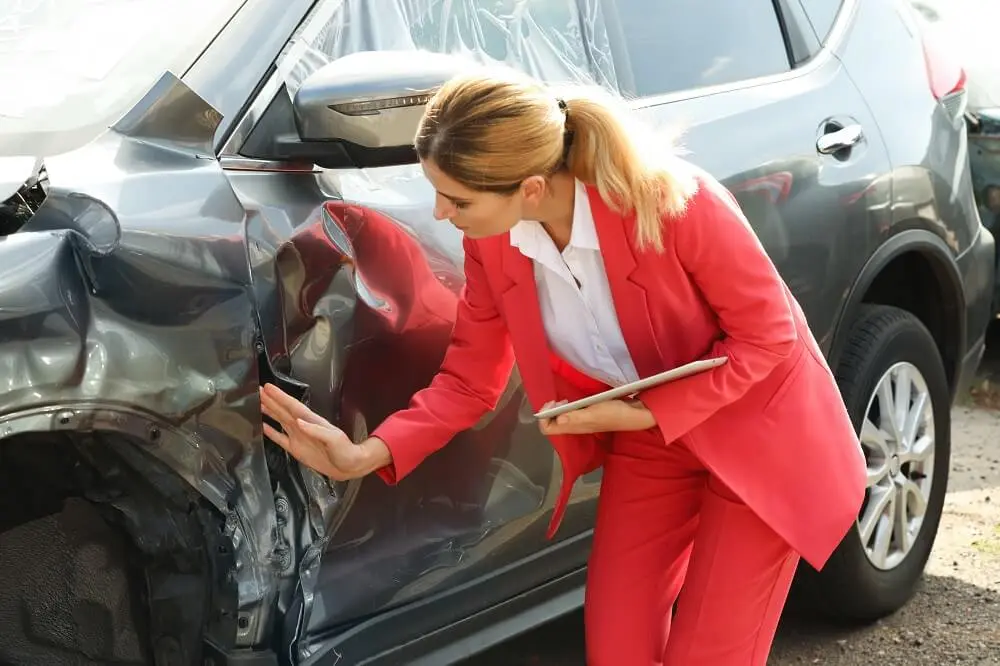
<point>953,619</point>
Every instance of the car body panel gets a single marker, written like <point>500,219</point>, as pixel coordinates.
<point>929,156</point>
<point>239,59</point>
<point>124,307</point>
<point>168,231</point>
<point>358,303</point>
<point>365,334</point>
<point>812,212</point>
<point>968,27</point>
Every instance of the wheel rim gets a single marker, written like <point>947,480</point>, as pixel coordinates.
<point>898,440</point>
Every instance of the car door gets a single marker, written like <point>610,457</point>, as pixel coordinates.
<point>759,101</point>
<point>357,287</point>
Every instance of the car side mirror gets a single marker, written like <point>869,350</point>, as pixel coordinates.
<point>363,109</point>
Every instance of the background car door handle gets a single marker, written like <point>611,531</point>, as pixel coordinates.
<point>841,139</point>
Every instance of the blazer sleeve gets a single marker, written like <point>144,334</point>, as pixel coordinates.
<point>727,263</point>
<point>473,376</point>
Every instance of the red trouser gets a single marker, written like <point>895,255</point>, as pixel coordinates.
<point>667,531</point>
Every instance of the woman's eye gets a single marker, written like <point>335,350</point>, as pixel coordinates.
<point>461,206</point>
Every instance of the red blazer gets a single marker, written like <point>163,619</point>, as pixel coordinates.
<point>770,423</point>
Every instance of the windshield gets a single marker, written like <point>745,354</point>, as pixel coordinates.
<point>68,70</point>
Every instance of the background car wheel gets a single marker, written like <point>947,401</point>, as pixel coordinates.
<point>893,382</point>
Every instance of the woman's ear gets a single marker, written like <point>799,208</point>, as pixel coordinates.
<point>533,189</point>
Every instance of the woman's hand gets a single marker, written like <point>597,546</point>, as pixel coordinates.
<point>609,416</point>
<point>317,443</point>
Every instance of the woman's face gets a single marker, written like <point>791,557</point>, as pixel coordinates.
<point>476,214</point>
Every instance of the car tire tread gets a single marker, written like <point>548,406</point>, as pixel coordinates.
<point>850,588</point>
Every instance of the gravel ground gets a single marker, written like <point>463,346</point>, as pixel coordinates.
<point>954,617</point>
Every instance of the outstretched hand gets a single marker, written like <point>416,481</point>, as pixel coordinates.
<point>311,439</point>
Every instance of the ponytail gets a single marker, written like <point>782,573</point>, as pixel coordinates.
<point>492,129</point>
<point>633,170</point>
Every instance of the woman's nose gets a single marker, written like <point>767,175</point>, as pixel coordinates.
<point>442,209</point>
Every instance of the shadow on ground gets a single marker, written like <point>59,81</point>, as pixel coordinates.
<point>985,390</point>
<point>947,622</point>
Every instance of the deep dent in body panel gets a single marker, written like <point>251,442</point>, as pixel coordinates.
<point>366,311</point>
<point>125,307</point>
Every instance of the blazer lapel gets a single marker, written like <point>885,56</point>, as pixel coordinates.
<point>628,290</point>
<point>524,323</point>
<point>577,454</point>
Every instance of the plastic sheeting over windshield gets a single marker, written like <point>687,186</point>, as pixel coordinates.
<point>553,40</point>
<point>72,68</point>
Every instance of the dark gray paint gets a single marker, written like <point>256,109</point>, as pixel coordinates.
<point>155,291</point>
<point>125,307</point>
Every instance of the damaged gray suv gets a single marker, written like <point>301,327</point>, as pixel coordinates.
<point>202,197</point>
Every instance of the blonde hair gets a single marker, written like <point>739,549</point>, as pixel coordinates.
<point>490,130</point>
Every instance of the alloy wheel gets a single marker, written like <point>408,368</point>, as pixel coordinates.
<point>898,441</point>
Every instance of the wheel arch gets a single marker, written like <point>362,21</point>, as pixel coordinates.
<point>184,557</point>
<point>192,500</point>
<point>175,448</point>
<point>916,271</point>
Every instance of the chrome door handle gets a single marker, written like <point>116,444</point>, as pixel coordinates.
<point>834,142</point>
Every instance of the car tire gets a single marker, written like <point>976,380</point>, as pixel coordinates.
<point>858,584</point>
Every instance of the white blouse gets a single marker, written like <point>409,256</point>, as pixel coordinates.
<point>577,309</point>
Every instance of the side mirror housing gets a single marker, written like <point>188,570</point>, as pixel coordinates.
<point>363,110</point>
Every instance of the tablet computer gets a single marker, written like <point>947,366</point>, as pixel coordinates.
<point>632,388</point>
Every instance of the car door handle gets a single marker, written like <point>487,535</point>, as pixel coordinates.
<point>838,140</point>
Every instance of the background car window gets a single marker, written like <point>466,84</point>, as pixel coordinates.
<point>822,14</point>
<point>680,44</point>
<point>552,39</point>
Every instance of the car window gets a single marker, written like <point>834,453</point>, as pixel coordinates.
<point>554,40</point>
<point>822,14</point>
<point>682,44</point>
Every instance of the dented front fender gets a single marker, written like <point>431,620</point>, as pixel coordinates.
<point>125,305</point>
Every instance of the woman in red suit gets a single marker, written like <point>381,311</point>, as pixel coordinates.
<point>593,260</point>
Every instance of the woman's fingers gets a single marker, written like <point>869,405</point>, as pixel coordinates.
<point>328,434</point>
<point>293,407</point>
<point>287,410</point>
<point>306,450</point>
<point>295,447</point>
<point>341,452</point>
<point>279,438</point>
<point>273,408</point>
<point>307,436</point>
<point>276,410</point>
<point>556,424</point>
<point>577,422</point>
<point>316,419</point>
<point>571,418</point>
